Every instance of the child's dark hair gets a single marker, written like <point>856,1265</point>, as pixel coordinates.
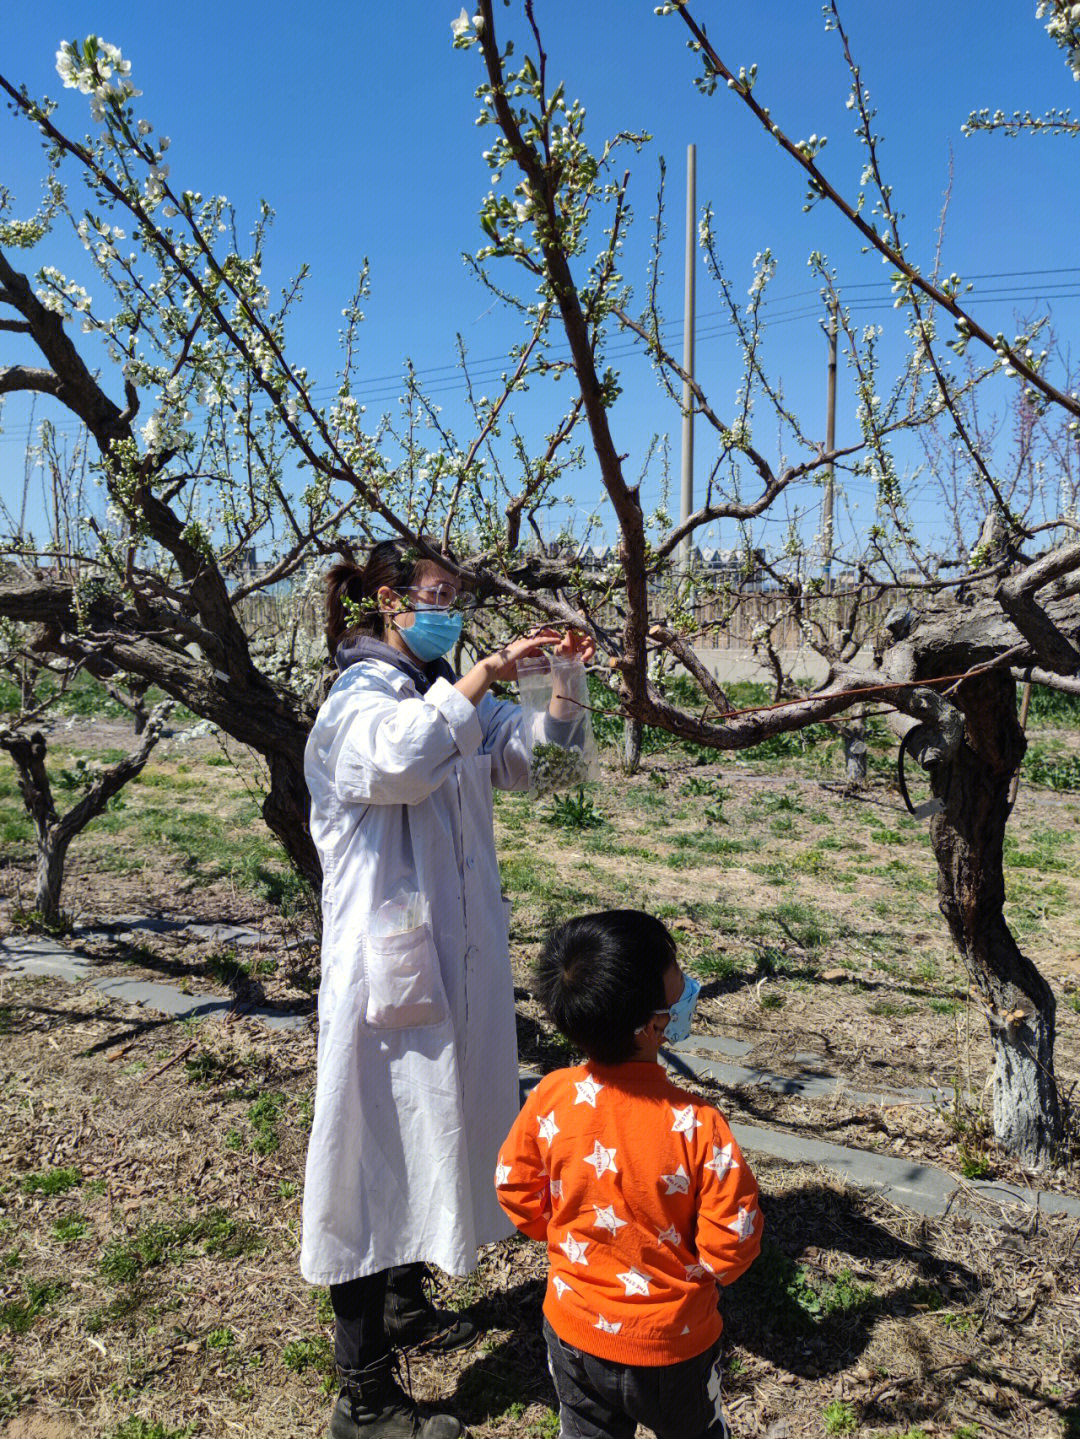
<point>601,976</point>
<point>351,608</point>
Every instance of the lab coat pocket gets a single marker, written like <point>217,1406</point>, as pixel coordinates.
<point>405,988</point>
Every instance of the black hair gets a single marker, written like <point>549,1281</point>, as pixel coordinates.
<point>351,590</point>
<point>600,977</point>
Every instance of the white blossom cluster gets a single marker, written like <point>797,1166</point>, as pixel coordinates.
<point>164,430</point>
<point>59,294</point>
<point>89,68</point>
<point>100,238</point>
<point>1063,27</point>
<point>466,32</point>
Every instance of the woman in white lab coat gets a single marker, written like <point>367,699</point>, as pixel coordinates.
<point>417,1054</point>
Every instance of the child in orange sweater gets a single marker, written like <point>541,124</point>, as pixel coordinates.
<point>641,1193</point>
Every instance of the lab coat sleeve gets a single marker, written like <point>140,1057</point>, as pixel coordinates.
<point>507,741</point>
<point>729,1222</point>
<point>398,751</point>
<point>522,1185</point>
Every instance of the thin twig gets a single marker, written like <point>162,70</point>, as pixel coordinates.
<point>170,1062</point>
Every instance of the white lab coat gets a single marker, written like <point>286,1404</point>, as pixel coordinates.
<point>408,1120</point>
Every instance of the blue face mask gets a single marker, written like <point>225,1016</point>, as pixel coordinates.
<point>432,633</point>
<point>681,1012</point>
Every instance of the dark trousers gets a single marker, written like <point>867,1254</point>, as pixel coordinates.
<point>599,1399</point>
<point>359,1323</point>
<point>360,1336</point>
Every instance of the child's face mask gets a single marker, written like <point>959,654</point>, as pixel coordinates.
<point>681,1012</point>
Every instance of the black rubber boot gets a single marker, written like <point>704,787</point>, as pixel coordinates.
<point>373,1405</point>
<point>413,1322</point>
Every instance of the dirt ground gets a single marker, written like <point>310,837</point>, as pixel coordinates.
<point>151,1171</point>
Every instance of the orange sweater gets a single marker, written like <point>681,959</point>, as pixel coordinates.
<point>645,1201</point>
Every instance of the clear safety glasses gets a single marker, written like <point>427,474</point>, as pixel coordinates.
<point>442,597</point>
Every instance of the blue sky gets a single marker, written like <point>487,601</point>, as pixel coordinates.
<point>357,124</point>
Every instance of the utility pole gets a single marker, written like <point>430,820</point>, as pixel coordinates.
<point>686,506</point>
<point>830,445</point>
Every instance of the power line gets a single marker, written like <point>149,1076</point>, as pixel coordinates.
<point>479,371</point>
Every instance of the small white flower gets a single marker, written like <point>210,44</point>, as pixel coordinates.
<point>460,26</point>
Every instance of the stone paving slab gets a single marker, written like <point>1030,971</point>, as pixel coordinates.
<point>238,934</point>
<point>714,1043</point>
<point>918,1186</point>
<point>806,1086</point>
<point>47,957</point>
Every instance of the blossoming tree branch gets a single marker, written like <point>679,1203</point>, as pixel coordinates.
<point>206,418</point>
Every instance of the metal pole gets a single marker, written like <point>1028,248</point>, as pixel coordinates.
<point>830,445</point>
<point>686,506</point>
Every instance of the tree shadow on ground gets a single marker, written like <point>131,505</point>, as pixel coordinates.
<point>815,1321</point>
<point>797,1317</point>
<point>511,1371</point>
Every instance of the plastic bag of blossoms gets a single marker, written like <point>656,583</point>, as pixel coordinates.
<point>554,694</point>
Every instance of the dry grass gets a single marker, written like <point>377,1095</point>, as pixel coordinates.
<point>156,1278</point>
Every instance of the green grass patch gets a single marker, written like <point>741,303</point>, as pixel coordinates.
<point>224,966</point>
<point>138,1428</point>
<point>714,966</point>
<point>125,1259</point>
<point>52,1181</point>
<point>17,1315</point>
<point>314,1352</point>
<point>1052,707</point>
<point>1042,766</point>
<point>74,1226</point>
<point>839,1417</point>
<point>796,1300</point>
<point>574,811</point>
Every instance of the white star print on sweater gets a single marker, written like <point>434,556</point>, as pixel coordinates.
<point>548,1127</point>
<point>587,1090</point>
<point>601,1159</point>
<point>606,1218</point>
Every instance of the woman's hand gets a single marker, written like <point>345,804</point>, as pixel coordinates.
<point>575,644</point>
<point>502,664</point>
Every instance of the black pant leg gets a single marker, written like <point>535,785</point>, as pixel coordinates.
<point>588,1393</point>
<point>681,1400</point>
<point>359,1328</point>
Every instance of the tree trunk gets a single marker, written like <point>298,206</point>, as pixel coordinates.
<point>285,810</point>
<point>968,838</point>
<point>52,848</point>
<point>854,736</point>
<point>631,746</point>
<point>54,832</point>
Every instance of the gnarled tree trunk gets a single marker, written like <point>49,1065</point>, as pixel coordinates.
<point>968,838</point>
<point>53,831</point>
<point>631,746</point>
<point>854,737</point>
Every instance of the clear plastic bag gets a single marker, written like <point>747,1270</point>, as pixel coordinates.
<point>564,753</point>
<point>401,911</point>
